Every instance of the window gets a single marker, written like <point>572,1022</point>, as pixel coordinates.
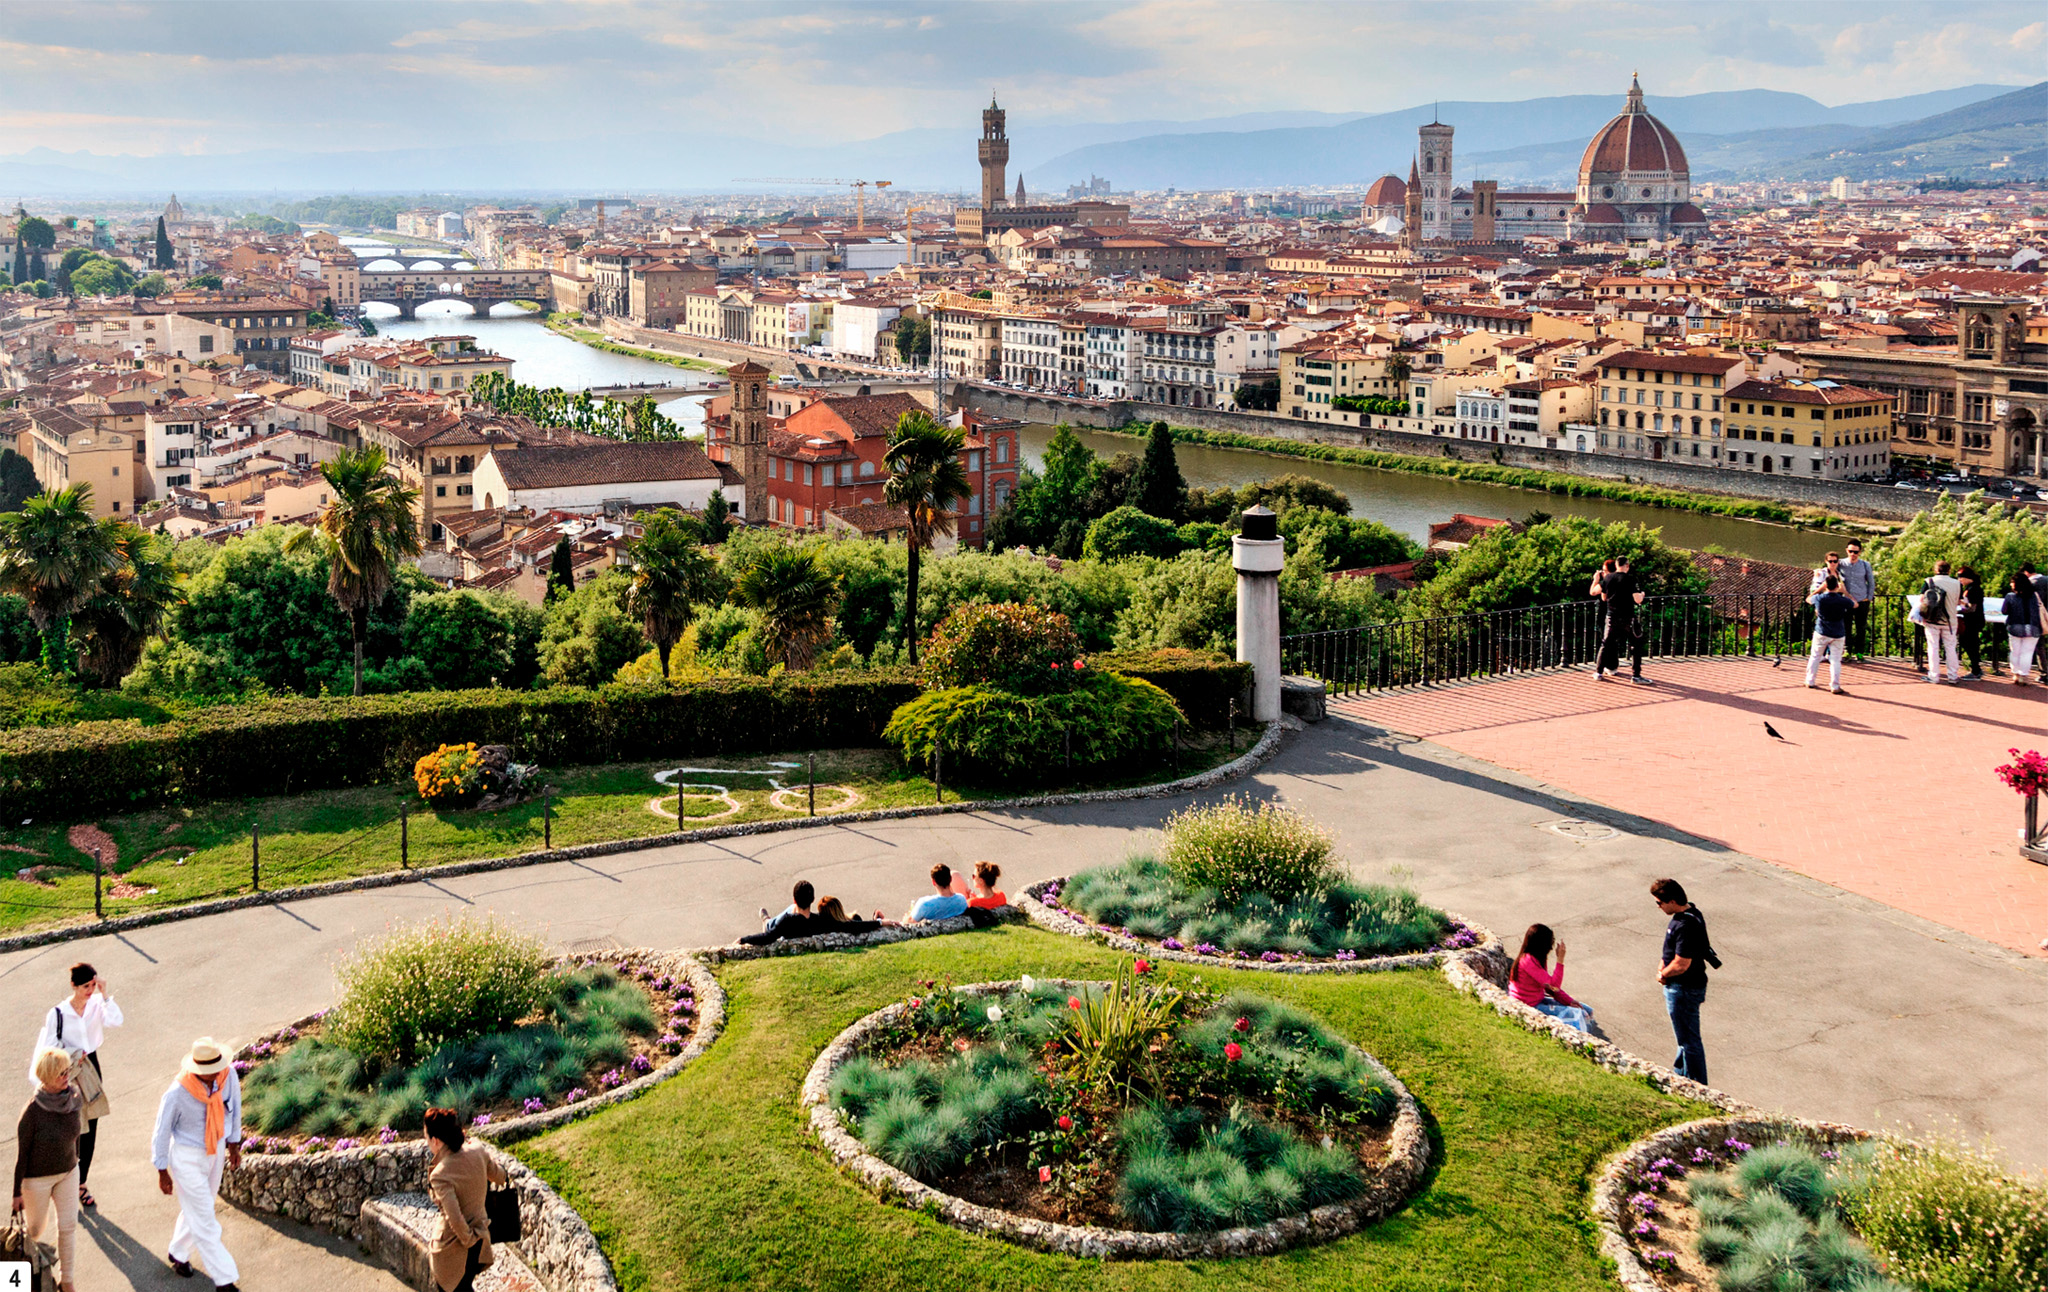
<point>807,473</point>
<point>440,491</point>
<point>867,469</point>
<point>464,491</point>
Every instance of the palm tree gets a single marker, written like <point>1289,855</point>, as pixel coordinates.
<point>369,529</point>
<point>130,605</point>
<point>671,574</point>
<point>795,598</point>
<point>927,480</point>
<point>53,554</point>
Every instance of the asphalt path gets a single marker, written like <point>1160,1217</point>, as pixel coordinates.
<point>1829,1005</point>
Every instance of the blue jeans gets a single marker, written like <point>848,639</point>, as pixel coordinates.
<point>1577,1015</point>
<point>1683,1004</point>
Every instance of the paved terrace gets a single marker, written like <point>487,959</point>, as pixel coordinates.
<point>1832,1004</point>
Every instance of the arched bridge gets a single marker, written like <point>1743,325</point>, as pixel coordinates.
<point>408,289</point>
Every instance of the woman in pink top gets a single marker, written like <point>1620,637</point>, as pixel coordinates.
<point>1542,988</point>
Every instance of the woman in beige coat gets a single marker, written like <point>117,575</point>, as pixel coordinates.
<point>457,1181</point>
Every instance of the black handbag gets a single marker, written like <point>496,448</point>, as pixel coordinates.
<point>501,1210</point>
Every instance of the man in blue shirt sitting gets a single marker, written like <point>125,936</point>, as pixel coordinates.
<point>943,904</point>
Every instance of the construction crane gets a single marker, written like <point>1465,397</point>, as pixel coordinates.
<point>859,187</point>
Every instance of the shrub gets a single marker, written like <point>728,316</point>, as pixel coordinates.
<point>1768,1225</point>
<point>1238,848</point>
<point>451,776</point>
<point>1949,1218</point>
<point>1014,647</point>
<point>1183,1177</point>
<point>1127,532</point>
<point>1105,719</point>
<point>1340,914</point>
<point>419,987</point>
<point>1202,682</point>
<point>307,744</point>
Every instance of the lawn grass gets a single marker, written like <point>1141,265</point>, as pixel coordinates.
<point>599,341</point>
<point>190,854</point>
<point>713,1179</point>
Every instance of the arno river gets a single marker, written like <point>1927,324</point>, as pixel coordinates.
<point>1407,503</point>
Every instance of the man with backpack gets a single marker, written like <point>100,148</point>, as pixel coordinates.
<point>1682,970</point>
<point>1934,609</point>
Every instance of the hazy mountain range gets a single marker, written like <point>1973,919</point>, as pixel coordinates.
<point>1741,133</point>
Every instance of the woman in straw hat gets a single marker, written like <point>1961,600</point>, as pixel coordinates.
<point>198,1123</point>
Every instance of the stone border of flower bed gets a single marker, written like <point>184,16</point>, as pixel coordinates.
<point>851,941</point>
<point>1611,1189</point>
<point>327,1189</point>
<point>1407,1162</point>
<point>1460,971</point>
<point>1267,746</point>
<point>1060,920</point>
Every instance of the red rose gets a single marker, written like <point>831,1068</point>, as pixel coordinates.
<point>1233,1052</point>
<point>1066,1122</point>
<point>1079,665</point>
<point>1143,966</point>
<point>1045,1175</point>
<point>1073,1002</point>
<point>1242,1024</point>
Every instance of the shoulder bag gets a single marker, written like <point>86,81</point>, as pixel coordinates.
<point>501,1210</point>
<point>16,1245</point>
<point>85,1078</point>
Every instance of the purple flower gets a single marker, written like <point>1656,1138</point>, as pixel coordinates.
<point>671,1042</point>
<point>1645,1229</point>
<point>611,1080</point>
<point>342,1144</point>
<point>1652,1180</point>
<point>313,1145</point>
<point>1829,1155</point>
<point>641,1063</point>
<point>387,1136</point>
<point>1667,1167</point>
<point>291,1033</point>
<point>687,992</point>
<point>1702,1156</point>
<point>1271,957</point>
<point>1665,1261</point>
<point>242,1067</point>
<point>1642,1202</point>
<point>1736,1145</point>
<point>481,1119</point>
<point>1345,955</point>
<point>682,1008</point>
<point>533,1105</point>
<point>1204,949</point>
<point>1172,944</point>
<point>574,1095</point>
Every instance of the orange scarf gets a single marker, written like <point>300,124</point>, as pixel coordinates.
<point>215,1099</point>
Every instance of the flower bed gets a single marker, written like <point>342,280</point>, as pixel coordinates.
<point>1138,1119</point>
<point>635,1017</point>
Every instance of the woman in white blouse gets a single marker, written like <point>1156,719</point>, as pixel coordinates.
<point>77,1025</point>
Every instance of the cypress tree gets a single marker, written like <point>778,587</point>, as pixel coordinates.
<point>1156,487</point>
<point>716,509</point>
<point>561,571</point>
<point>165,257</point>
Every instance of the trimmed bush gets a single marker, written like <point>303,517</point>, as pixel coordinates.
<point>1202,682</point>
<point>283,746</point>
<point>1104,720</point>
<point>1013,646</point>
<point>1769,1224</point>
<point>425,985</point>
<point>1183,1177</point>
<point>1237,848</point>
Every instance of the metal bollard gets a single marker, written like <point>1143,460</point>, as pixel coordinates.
<point>811,771</point>
<point>255,858</point>
<point>99,866</point>
<point>938,770</point>
<point>547,816</point>
<point>404,859</point>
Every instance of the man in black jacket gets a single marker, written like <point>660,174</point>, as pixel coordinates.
<point>1682,970</point>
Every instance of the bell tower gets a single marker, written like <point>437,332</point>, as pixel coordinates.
<point>995,156</point>
<point>1436,182</point>
<point>750,435</point>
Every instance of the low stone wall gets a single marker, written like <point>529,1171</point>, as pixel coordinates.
<point>1267,745</point>
<point>1612,1189</point>
<point>852,941</point>
<point>327,1189</point>
<point>1407,1161</point>
<point>1060,920</point>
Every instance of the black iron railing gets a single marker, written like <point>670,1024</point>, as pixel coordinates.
<point>1419,652</point>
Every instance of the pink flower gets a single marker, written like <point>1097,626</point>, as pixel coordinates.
<point>1242,1024</point>
<point>1045,1175</point>
<point>1078,666</point>
<point>1232,1052</point>
<point>1143,966</point>
<point>915,1002</point>
<point>1073,1002</point>
<point>1066,1122</point>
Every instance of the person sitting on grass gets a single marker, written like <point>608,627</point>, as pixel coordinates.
<point>832,918</point>
<point>1540,988</point>
<point>796,920</point>
<point>942,903</point>
<point>987,896</point>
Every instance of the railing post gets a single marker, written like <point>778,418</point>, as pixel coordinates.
<point>811,773</point>
<point>255,858</point>
<point>547,815</point>
<point>404,859</point>
<point>99,867</point>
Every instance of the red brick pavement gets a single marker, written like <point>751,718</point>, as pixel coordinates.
<point>1886,791</point>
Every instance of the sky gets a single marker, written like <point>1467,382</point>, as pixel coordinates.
<point>223,76</point>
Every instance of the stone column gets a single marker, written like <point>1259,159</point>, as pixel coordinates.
<point>1256,554</point>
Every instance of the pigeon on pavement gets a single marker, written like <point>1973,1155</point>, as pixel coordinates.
<point>1772,731</point>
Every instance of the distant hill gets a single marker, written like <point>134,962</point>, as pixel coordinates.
<point>1964,142</point>
<point>1534,140</point>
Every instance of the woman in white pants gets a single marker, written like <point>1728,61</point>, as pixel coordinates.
<point>198,1123</point>
<point>2022,627</point>
<point>46,1156</point>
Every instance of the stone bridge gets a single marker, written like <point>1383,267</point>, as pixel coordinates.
<point>408,289</point>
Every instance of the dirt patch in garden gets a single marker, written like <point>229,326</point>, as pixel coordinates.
<point>94,842</point>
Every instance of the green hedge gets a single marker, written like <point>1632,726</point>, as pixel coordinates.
<point>287,746</point>
<point>1202,683</point>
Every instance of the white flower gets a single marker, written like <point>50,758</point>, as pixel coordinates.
<point>1030,983</point>
<point>995,1013</point>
